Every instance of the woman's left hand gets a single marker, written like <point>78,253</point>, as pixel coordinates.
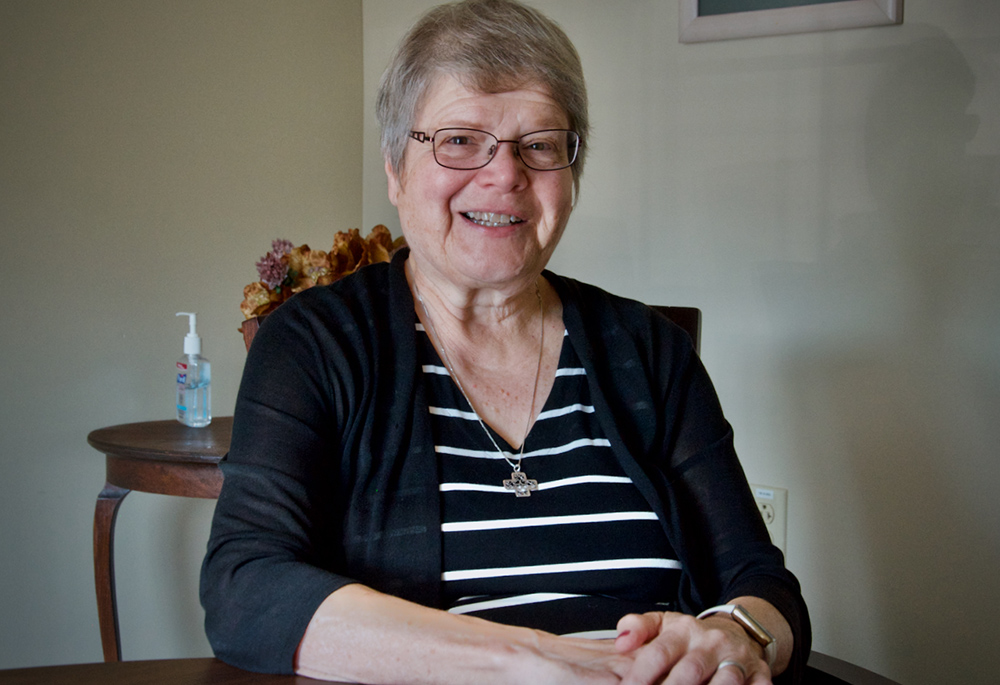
<point>677,649</point>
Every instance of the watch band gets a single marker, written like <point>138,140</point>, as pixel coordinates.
<point>754,629</point>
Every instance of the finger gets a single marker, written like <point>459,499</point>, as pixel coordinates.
<point>729,672</point>
<point>653,661</point>
<point>732,671</point>
<point>635,630</point>
<point>695,668</point>
<point>603,646</point>
<point>600,654</point>
<point>566,661</point>
<point>761,675</point>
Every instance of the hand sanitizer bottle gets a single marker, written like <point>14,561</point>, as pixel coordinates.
<point>194,380</point>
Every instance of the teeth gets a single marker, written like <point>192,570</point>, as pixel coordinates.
<point>492,219</point>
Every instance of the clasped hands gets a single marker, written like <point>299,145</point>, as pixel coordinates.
<point>670,649</point>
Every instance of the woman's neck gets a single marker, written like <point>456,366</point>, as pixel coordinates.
<point>477,311</point>
<point>505,352</point>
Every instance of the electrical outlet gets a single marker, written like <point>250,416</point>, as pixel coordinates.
<point>773,505</point>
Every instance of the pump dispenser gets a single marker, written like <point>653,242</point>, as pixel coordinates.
<point>194,380</point>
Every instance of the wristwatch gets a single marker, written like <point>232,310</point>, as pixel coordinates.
<point>754,629</point>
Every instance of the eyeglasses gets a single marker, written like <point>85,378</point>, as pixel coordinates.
<point>469,148</point>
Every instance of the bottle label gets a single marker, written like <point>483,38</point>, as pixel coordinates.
<point>182,373</point>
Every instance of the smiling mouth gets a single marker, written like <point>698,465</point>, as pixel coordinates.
<point>492,219</point>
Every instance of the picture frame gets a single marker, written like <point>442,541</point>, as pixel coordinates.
<point>803,17</point>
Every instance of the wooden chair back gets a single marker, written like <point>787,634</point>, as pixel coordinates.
<point>688,318</point>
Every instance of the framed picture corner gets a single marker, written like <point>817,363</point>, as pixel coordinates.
<point>713,20</point>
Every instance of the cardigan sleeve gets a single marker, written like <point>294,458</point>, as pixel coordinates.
<point>274,548</point>
<point>662,407</point>
<point>728,552</point>
<point>331,475</point>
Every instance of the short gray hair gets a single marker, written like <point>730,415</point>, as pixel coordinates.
<point>493,46</point>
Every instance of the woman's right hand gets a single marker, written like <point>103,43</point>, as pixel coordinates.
<point>555,659</point>
<point>363,636</point>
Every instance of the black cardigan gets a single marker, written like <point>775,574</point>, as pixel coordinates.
<point>331,476</point>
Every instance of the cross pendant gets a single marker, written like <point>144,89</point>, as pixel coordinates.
<point>520,484</point>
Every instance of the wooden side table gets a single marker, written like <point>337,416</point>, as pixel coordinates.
<point>162,457</point>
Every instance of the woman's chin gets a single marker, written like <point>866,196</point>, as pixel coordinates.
<point>500,267</point>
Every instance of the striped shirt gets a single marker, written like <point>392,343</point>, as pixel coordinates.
<point>582,551</point>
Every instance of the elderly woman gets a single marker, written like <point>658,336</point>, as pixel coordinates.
<point>460,467</point>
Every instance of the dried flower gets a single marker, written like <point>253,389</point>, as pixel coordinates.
<point>287,269</point>
<point>256,299</point>
<point>272,270</point>
<point>281,247</point>
<point>316,266</point>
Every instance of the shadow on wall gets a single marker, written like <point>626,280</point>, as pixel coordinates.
<point>893,377</point>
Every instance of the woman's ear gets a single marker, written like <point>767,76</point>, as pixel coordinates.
<point>394,185</point>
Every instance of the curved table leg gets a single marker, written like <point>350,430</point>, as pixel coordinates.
<point>104,568</point>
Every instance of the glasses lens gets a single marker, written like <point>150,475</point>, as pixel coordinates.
<point>463,148</point>
<point>545,150</point>
<point>468,148</point>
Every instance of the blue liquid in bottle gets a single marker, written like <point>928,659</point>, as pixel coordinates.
<point>194,391</point>
<point>194,381</point>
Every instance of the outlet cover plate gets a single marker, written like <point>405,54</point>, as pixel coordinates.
<point>772,503</point>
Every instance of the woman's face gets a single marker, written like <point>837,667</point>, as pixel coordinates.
<point>442,210</point>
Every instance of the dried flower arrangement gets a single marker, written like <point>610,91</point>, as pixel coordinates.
<point>287,270</point>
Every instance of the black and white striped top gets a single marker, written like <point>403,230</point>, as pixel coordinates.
<point>582,551</point>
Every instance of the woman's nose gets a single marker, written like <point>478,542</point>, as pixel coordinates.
<point>505,163</point>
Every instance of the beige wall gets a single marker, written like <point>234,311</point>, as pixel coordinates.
<point>149,153</point>
<point>830,202</point>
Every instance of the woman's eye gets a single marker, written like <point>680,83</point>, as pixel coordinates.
<point>456,140</point>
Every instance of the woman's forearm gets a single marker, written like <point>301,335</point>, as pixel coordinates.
<point>360,635</point>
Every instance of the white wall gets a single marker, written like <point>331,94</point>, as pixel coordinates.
<point>149,153</point>
<point>830,202</point>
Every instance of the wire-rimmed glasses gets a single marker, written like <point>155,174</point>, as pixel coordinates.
<point>469,148</point>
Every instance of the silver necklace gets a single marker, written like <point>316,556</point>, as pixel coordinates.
<point>518,482</point>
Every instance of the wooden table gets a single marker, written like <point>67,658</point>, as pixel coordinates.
<point>828,670</point>
<point>161,672</point>
<point>162,457</point>
<point>823,670</point>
